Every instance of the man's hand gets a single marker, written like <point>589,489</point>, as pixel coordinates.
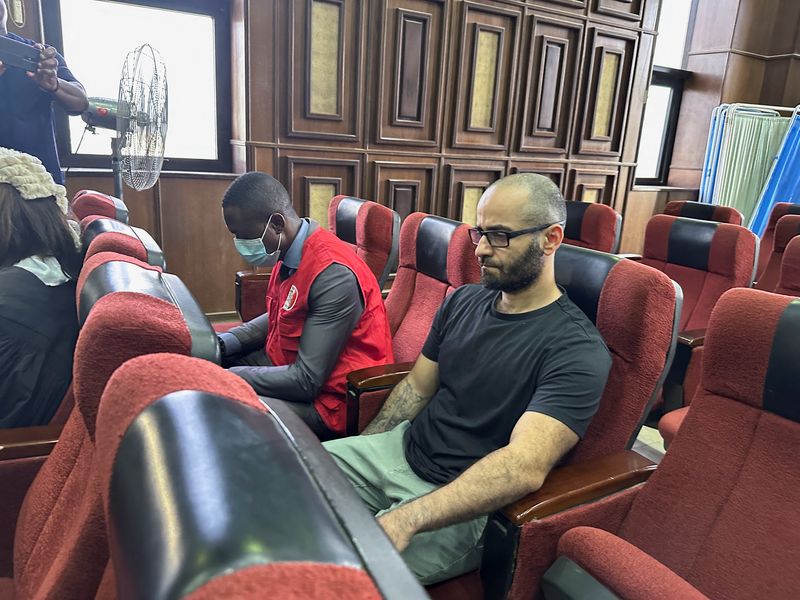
<point>46,75</point>
<point>397,527</point>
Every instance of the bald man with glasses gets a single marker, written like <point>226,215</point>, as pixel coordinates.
<point>508,381</point>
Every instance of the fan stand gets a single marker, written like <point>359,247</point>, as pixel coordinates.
<point>116,171</point>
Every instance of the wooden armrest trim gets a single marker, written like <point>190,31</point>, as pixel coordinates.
<point>692,337</point>
<point>630,255</point>
<point>579,483</point>
<point>380,376</point>
<point>254,275</point>
<point>23,442</point>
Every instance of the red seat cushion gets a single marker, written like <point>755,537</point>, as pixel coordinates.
<point>669,424</point>
<point>703,211</point>
<point>789,280</point>
<point>593,226</point>
<point>787,228</point>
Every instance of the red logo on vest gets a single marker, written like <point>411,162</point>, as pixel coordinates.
<point>291,299</point>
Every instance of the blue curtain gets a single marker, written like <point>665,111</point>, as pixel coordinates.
<point>783,182</point>
<point>713,147</point>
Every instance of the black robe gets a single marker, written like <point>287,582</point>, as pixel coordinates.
<point>38,331</point>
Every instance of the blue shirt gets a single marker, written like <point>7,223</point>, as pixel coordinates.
<point>26,114</point>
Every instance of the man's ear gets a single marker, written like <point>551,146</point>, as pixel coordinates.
<point>278,223</point>
<point>553,236</point>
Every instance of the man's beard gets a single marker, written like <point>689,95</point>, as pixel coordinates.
<point>519,275</point>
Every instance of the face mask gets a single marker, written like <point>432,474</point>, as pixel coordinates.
<point>254,251</point>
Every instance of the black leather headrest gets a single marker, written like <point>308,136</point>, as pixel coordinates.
<point>346,217</point>
<point>575,212</point>
<point>121,276</point>
<point>155,256</point>
<point>433,240</point>
<point>582,273</point>
<point>690,242</point>
<point>202,486</point>
<point>780,385</point>
<point>698,210</point>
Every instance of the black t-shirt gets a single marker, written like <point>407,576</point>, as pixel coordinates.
<point>492,368</point>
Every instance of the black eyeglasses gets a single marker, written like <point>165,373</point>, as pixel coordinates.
<point>499,239</point>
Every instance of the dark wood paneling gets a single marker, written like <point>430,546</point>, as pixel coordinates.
<point>302,171</point>
<point>405,187</point>
<point>627,10</point>
<point>463,181</point>
<point>197,245</point>
<point>303,119</point>
<point>501,26</point>
<point>605,47</point>
<point>551,84</point>
<point>553,171</point>
<point>578,6</point>
<point>411,73</point>
<point>31,19</point>
<point>592,184</point>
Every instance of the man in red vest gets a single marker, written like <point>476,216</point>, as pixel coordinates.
<point>325,315</point>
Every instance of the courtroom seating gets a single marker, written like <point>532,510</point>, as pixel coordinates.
<point>787,227</point>
<point>102,234</point>
<point>706,259</point>
<point>718,518</point>
<point>636,309</point>
<point>86,203</point>
<point>436,256</point>
<point>594,226</point>
<point>768,237</point>
<point>370,229</point>
<point>788,284</point>
<point>57,532</point>
<point>703,211</point>
<point>254,511</point>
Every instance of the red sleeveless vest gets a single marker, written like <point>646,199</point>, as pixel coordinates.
<point>370,342</point>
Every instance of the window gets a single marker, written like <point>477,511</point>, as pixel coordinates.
<point>193,38</point>
<point>665,93</point>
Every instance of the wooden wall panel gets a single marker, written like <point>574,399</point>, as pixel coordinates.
<point>610,56</point>
<point>465,184</point>
<point>551,85</point>
<point>261,47</point>
<point>197,245</point>
<point>325,54</point>
<point>486,54</point>
<point>627,10</point>
<point>592,184</point>
<point>411,72</point>
<point>310,177</point>
<point>24,18</point>
<point>405,187</point>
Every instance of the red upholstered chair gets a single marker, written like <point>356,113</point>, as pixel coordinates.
<point>718,518</point>
<point>703,211</point>
<point>436,256</point>
<point>89,202</point>
<point>768,239</point>
<point>59,543</point>
<point>373,231</point>
<point>789,280</point>
<point>706,259</point>
<point>594,226</point>
<point>788,227</point>
<point>253,511</point>
<point>788,284</point>
<point>101,234</point>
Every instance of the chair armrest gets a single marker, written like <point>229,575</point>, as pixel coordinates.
<point>23,442</point>
<point>629,255</point>
<point>579,483</point>
<point>379,377</point>
<point>251,292</point>
<point>371,379</point>
<point>692,337</point>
